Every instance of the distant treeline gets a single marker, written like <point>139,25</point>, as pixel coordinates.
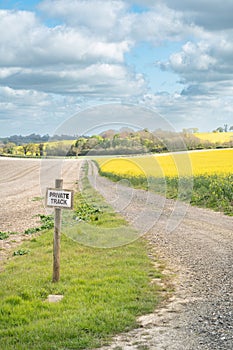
<point>136,142</point>
<point>112,142</point>
<point>34,138</point>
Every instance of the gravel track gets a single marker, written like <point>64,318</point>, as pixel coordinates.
<point>195,243</point>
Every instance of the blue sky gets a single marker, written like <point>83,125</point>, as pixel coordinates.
<point>59,57</point>
<point>19,5</point>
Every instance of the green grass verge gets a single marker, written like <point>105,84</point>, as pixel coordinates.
<point>94,222</point>
<point>208,191</point>
<point>104,290</point>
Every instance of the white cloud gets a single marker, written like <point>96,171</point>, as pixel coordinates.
<point>160,24</point>
<point>94,80</point>
<point>62,60</point>
<point>183,111</point>
<point>204,61</point>
<point>28,111</point>
<point>205,69</point>
<point>29,43</point>
<point>209,14</point>
<point>114,21</point>
<point>45,68</point>
<point>193,57</point>
<point>23,96</point>
<point>92,15</point>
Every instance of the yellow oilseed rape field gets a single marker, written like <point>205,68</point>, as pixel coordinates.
<point>172,165</point>
<point>215,137</point>
<point>207,176</point>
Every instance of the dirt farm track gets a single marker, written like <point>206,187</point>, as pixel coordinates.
<point>199,251</point>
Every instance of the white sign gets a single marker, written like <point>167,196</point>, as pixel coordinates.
<point>59,198</point>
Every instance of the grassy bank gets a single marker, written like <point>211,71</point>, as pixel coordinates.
<point>104,289</point>
<point>209,191</point>
<point>98,224</point>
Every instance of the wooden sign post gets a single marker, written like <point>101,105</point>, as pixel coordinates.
<point>59,199</point>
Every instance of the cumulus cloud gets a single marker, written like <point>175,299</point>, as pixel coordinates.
<point>194,59</point>
<point>204,61</point>
<point>195,110</point>
<point>27,111</point>
<point>62,59</point>
<point>209,14</point>
<point>95,80</point>
<point>158,25</point>
<point>46,68</point>
<point>28,42</point>
<point>90,15</point>
<point>23,97</point>
<point>114,19</point>
<point>204,64</point>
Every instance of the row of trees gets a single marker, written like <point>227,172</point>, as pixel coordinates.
<point>34,138</point>
<point>225,128</point>
<point>31,149</point>
<point>142,141</point>
<point>36,150</point>
<point>125,141</point>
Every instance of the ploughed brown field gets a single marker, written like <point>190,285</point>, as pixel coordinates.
<point>23,184</point>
